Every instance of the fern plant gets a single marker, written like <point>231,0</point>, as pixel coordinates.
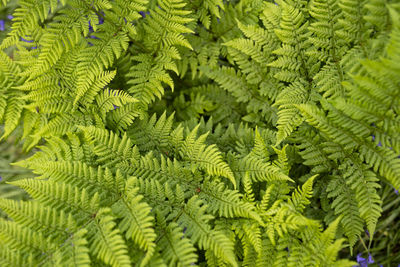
<point>210,133</point>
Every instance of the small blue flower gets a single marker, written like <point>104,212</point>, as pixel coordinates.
<point>10,17</point>
<point>396,192</point>
<point>115,107</point>
<point>2,25</point>
<point>366,231</point>
<point>142,13</point>
<point>184,229</point>
<point>1,178</point>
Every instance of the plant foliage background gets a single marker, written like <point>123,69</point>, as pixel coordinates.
<point>191,132</point>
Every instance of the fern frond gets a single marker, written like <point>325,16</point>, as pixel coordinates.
<point>60,125</point>
<point>258,169</point>
<point>176,248</point>
<point>312,151</point>
<point>163,33</point>
<point>97,82</point>
<point>147,77</point>
<point>59,39</point>
<point>226,203</point>
<point>152,133</point>
<point>122,117</point>
<point>329,80</point>
<point>352,23</point>
<point>26,19</point>
<point>300,198</point>
<point>26,240</point>
<point>199,155</point>
<point>122,150</point>
<point>231,81</point>
<point>14,258</point>
<point>61,196</point>
<point>289,116</point>
<point>35,216</point>
<point>345,204</point>
<point>108,99</point>
<point>108,244</point>
<point>193,216</point>
<point>382,160</point>
<point>137,223</point>
<point>12,114</point>
<point>365,184</point>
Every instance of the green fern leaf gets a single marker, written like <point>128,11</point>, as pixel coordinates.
<point>108,243</point>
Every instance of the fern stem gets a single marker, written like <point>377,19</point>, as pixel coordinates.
<point>365,246</point>
<point>14,171</point>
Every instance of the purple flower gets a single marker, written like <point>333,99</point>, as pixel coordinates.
<point>370,259</point>
<point>90,27</point>
<point>366,231</point>
<point>10,17</point>
<point>144,13</point>
<point>396,192</point>
<point>26,41</point>
<point>101,21</point>
<point>363,262</point>
<point>373,139</point>
<point>115,107</point>
<point>2,25</point>
<point>1,178</point>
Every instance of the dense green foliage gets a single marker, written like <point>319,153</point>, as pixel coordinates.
<point>202,132</point>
